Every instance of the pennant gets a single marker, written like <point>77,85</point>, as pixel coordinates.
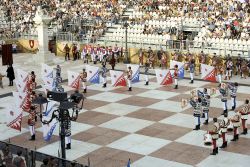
<point>136,72</point>
<point>47,71</point>
<point>22,101</point>
<point>208,73</point>
<point>22,76</point>
<point>93,74</point>
<point>14,118</point>
<point>74,80</point>
<point>184,103</point>
<point>21,86</point>
<point>163,77</point>
<point>50,106</point>
<point>49,128</point>
<point>181,67</point>
<point>117,78</point>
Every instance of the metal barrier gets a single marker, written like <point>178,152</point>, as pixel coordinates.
<point>33,157</point>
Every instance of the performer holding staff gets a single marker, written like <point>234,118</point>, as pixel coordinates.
<point>129,78</point>
<point>196,104</point>
<point>214,131</point>
<point>233,90</point>
<point>83,77</point>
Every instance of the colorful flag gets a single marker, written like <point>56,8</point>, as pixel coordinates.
<point>93,74</point>
<point>208,73</point>
<point>49,128</point>
<point>136,72</point>
<point>21,86</point>
<point>163,77</point>
<point>181,66</point>
<point>22,75</point>
<point>47,71</point>
<point>117,78</point>
<point>74,80</point>
<point>49,108</point>
<point>22,101</point>
<point>14,117</point>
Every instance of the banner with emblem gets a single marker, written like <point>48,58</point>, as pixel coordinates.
<point>181,67</point>
<point>22,101</point>
<point>22,76</point>
<point>93,74</point>
<point>208,73</point>
<point>47,71</point>
<point>48,129</point>
<point>14,117</point>
<point>117,78</point>
<point>136,72</point>
<point>163,77</point>
<point>74,80</point>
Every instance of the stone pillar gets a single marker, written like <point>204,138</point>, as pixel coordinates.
<point>43,55</point>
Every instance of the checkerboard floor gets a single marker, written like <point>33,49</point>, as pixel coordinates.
<point>146,125</point>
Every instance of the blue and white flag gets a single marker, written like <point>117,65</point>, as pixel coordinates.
<point>93,74</point>
<point>50,107</point>
<point>180,68</point>
<point>48,129</point>
<point>47,71</point>
<point>136,72</point>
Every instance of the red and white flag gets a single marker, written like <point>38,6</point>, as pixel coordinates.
<point>21,86</point>
<point>117,78</point>
<point>22,101</point>
<point>74,80</point>
<point>163,77</point>
<point>14,118</point>
<point>208,73</point>
<point>22,76</point>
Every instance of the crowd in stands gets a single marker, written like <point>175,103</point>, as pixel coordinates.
<point>63,12</point>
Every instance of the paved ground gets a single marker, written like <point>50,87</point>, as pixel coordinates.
<point>146,125</point>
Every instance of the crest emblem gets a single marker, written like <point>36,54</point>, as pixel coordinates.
<point>31,43</point>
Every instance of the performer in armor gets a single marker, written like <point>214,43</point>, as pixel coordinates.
<point>205,105</point>
<point>129,78</point>
<point>223,126</point>
<point>214,131</point>
<point>224,93</point>
<point>191,69</point>
<point>104,76</point>
<point>233,90</point>
<point>236,124</point>
<point>196,104</point>
<point>32,122</point>
<point>244,111</point>
<point>146,72</point>
<point>83,77</point>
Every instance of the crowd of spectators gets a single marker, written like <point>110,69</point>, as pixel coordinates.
<point>68,15</point>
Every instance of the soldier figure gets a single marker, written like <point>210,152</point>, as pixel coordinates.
<point>104,75</point>
<point>146,72</point>
<point>129,78</point>
<point>67,128</point>
<point>224,93</point>
<point>205,105</point>
<point>191,69</point>
<point>214,131</point>
<point>233,90</point>
<point>196,104</point>
<point>83,77</point>
<point>176,71</point>
<point>236,124</point>
<point>223,125</point>
<point>244,111</point>
<point>31,122</point>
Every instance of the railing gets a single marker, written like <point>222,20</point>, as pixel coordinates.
<point>33,157</point>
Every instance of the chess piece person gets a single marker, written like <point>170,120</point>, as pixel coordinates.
<point>32,80</point>
<point>191,70</point>
<point>244,111</point>
<point>236,124</point>
<point>83,77</point>
<point>104,75</point>
<point>112,61</point>
<point>176,73</point>
<point>229,67</point>
<point>67,128</point>
<point>146,72</point>
<point>196,104</point>
<point>66,50</point>
<point>233,90</point>
<point>214,131</point>
<point>129,78</point>
<point>10,74</point>
<point>224,93</point>
<point>31,122</point>
<point>84,55</point>
<point>205,105</point>
<point>223,126</point>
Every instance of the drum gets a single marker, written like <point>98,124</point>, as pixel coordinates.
<point>207,139</point>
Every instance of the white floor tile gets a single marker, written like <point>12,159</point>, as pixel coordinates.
<point>157,94</point>
<point>167,105</point>
<point>183,120</point>
<point>109,97</point>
